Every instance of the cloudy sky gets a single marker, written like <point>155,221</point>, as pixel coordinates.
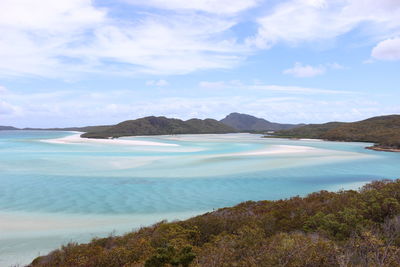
<point>81,62</point>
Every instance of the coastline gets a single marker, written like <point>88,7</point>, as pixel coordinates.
<point>374,147</point>
<point>383,149</point>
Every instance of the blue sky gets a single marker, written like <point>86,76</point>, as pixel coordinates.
<point>80,62</point>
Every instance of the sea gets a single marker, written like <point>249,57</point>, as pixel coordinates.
<point>56,188</point>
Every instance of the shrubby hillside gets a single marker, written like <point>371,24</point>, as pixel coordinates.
<point>347,228</point>
<point>161,126</point>
<point>384,131</point>
<point>309,130</point>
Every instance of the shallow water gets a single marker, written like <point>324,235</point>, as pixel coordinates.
<point>55,192</point>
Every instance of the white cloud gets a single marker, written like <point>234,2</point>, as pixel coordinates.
<point>299,90</point>
<point>387,50</point>
<point>210,6</point>
<point>72,108</point>
<point>300,70</point>
<point>159,83</point>
<point>7,109</point>
<point>35,34</point>
<point>3,90</point>
<point>335,66</point>
<point>235,84</point>
<point>67,37</point>
<point>296,21</point>
<point>57,38</point>
<point>221,84</point>
<point>213,85</point>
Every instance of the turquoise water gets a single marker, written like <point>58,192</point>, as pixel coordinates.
<point>55,192</point>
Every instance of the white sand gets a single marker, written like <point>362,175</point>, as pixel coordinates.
<point>76,139</point>
<point>279,149</point>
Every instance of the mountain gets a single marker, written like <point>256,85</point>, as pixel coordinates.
<point>3,128</point>
<point>160,126</point>
<point>384,131</point>
<point>244,122</point>
<point>348,228</point>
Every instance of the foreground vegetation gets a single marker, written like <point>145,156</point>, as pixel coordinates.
<point>347,228</point>
<point>160,126</point>
<point>384,131</point>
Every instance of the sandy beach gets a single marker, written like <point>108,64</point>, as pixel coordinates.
<point>77,139</point>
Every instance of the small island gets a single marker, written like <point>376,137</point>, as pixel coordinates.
<point>160,126</point>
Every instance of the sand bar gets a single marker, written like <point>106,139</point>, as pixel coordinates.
<point>77,139</point>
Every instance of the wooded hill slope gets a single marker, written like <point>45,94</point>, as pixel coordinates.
<point>161,126</point>
<point>384,131</point>
<point>347,228</point>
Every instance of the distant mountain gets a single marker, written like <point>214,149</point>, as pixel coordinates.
<point>384,131</point>
<point>3,128</point>
<point>161,126</point>
<point>244,122</point>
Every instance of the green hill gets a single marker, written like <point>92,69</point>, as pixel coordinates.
<point>161,126</point>
<point>309,131</point>
<point>384,131</point>
<point>347,228</point>
<point>244,122</point>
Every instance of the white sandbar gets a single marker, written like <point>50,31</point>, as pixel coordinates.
<point>77,139</point>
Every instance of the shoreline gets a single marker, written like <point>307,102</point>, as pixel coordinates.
<point>374,147</point>
<point>383,149</point>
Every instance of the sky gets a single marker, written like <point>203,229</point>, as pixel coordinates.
<point>81,62</point>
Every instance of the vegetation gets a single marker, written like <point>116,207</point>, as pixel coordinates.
<point>159,126</point>
<point>309,131</point>
<point>384,131</point>
<point>347,228</point>
<point>244,122</point>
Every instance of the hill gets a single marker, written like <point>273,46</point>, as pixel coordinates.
<point>8,128</point>
<point>315,131</point>
<point>347,228</point>
<point>244,122</point>
<point>384,131</point>
<point>161,126</point>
